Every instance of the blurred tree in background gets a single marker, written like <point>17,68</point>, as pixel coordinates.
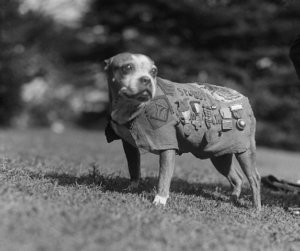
<point>10,76</point>
<point>28,43</point>
<point>240,44</point>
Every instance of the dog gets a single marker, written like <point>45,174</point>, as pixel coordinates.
<point>152,114</point>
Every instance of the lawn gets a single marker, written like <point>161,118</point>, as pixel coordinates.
<point>66,192</point>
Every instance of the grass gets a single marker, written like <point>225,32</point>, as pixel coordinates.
<point>66,192</point>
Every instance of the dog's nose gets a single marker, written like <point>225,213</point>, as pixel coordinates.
<point>145,80</point>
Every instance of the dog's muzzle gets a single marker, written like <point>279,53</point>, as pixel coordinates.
<point>142,96</point>
<point>144,93</point>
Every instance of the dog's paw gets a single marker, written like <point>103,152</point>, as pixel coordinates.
<point>234,198</point>
<point>159,200</point>
<point>133,186</point>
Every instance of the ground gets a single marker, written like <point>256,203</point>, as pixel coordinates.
<point>66,192</point>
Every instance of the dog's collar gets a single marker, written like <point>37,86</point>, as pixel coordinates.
<point>125,114</point>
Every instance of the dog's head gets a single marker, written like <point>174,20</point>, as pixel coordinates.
<point>131,77</point>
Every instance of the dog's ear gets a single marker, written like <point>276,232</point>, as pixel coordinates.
<point>107,63</point>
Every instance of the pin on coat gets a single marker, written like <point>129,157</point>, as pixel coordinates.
<point>167,118</point>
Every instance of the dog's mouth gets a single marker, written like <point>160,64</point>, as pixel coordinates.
<point>142,96</point>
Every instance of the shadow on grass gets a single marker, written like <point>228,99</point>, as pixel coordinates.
<point>211,191</point>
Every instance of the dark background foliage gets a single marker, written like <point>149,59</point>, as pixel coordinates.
<point>240,44</point>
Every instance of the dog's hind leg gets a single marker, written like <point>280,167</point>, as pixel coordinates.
<point>247,161</point>
<point>134,164</point>
<point>226,167</point>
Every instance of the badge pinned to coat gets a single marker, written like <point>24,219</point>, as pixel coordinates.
<point>183,109</point>
<point>237,111</point>
<point>196,108</point>
<point>226,118</point>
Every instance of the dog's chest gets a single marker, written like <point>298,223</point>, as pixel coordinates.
<point>203,119</point>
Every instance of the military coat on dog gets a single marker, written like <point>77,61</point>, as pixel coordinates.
<point>203,119</point>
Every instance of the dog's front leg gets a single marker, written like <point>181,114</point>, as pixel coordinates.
<point>166,168</point>
<point>134,164</point>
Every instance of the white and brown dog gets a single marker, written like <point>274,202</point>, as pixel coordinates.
<point>168,118</point>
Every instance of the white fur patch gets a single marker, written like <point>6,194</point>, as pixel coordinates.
<point>143,66</point>
<point>142,59</point>
<point>159,200</point>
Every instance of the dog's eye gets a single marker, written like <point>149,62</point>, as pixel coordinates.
<point>127,68</point>
<point>153,72</point>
